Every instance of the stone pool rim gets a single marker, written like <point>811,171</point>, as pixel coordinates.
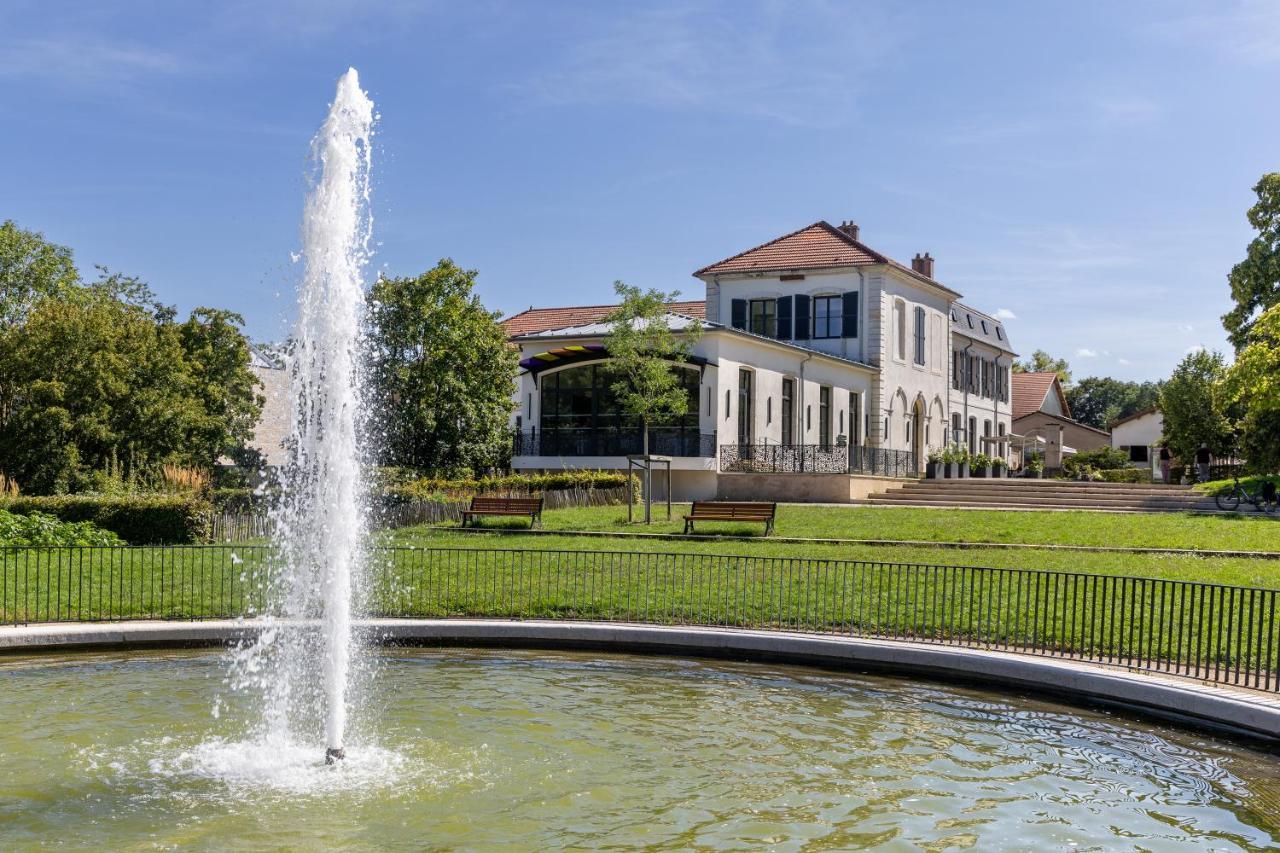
<point>1241,713</point>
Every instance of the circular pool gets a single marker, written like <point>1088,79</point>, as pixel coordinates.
<point>538,749</point>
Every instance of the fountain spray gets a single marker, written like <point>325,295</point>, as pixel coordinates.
<point>321,521</point>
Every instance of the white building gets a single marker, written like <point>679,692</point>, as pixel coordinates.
<point>822,362</point>
<point>1139,435</point>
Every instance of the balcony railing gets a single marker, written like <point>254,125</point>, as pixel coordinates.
<point>583,442</point>
<point>817,459</point>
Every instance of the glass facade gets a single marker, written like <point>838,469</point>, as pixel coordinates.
<point>580,411</point>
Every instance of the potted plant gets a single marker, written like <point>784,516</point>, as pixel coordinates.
<point>981,465</point>
<point>1035,466</point>
<point>933,468</point>
<point>962,456</point>
<point>999,467</point>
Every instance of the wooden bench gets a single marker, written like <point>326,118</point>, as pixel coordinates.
<point>732,511</point>
<point>531,507</point>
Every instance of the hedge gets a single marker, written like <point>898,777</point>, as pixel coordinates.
<point>1125,475</point>
<point>45,531</point>
<point>137,519</point>
<point>428,488</point>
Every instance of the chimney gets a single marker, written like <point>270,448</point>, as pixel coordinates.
<point>850,228</point>
<point>923,264</point>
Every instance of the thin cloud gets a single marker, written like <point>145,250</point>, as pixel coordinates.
<point>1246,31</point>
<point>1005,314</point>
<point>81,60</point>
<point>1085,352</point>
<point>742,64</point>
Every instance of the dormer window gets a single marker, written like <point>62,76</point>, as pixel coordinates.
<point>999,333</point>
<point>954,318</point>
<point>985,330</point>
<point>969,317</point>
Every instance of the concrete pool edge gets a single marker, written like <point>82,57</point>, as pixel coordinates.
<point>1239,711</point>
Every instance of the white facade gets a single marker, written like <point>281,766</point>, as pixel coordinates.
<point>980,395</point>
<point>1139,436</point>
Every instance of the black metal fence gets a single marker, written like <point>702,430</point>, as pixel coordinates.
<point>588,442</point>
<point>817,459</point>
<point>1224,634</point>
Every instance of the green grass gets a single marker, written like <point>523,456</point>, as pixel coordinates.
<point>1251,482</point>
<point>1244,532</point>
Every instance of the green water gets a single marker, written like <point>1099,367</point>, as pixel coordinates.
<point>524,750</point>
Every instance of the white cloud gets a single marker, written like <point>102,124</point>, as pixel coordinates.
<point>81,60</point>
<point>745,63</point>
<point>1192,350</point>
<point>1085,352</point>
<point>1246,31</point>
<point>1123,361</point>
<point>1005,314</point>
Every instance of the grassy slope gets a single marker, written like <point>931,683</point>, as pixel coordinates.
<point>1246,532</point>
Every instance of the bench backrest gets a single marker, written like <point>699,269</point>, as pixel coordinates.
<point>485,504</point>
<point>752,509</point>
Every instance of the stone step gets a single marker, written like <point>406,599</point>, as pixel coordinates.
<point>1003,488</point>
<point>1021,507</point>
<point>901,495</point>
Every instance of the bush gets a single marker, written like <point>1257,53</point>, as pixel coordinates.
<point>1125,475</point>
<point>1100,458</point>
<point>432,488</point>
<point>138,519</point>
<point>43,530</point>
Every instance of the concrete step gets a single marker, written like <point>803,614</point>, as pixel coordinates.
<point>1022,507</point>
<point>1117,505</point>
<point>995,487</point>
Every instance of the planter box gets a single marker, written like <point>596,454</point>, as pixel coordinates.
<point>986,472</point>
<point>933,470</point>
<point>964,469</point>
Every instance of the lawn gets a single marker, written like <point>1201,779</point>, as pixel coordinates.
<point>1244,532</point>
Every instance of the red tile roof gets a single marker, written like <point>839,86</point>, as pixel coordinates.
<point>537,320</point>
<point>1030,390</point>
<point>818,245</point>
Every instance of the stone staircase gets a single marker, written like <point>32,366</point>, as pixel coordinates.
<point>978,493</point>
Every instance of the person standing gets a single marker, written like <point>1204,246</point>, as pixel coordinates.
<point>1203,457</point>
<point>1166,463</point>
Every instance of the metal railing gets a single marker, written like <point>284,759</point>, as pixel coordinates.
<point>586,442</point>
<point>817,459</point>
<point>1224,634</point>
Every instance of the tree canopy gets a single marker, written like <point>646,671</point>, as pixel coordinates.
<point>1041,362</point>
<point>1100,400</point>
<point>1255,281</point>
<point>441,373</point>
<point>642,351</point>
<point>1195,408</point>
<point>100,386</point>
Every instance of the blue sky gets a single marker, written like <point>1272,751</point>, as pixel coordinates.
<point>1084,166</point>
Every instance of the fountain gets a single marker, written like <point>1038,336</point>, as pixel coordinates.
<point>304,678</point>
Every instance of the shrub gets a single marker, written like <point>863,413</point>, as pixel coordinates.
<point>43,530</point>
<point>428,488</point>
<point>138,519</point>
<point>1125,475</point>
<point>1100,458</point>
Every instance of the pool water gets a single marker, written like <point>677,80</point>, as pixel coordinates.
<point>531,750</point>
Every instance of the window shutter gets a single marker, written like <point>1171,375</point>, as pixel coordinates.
<point>849,308</point>
<point>739,313</point>
<point>784,318</point>
<point>802,317</point>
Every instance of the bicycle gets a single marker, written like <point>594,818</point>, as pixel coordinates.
<point>1263,498</point>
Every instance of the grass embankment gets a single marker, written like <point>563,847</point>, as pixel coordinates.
<point>1245,532</point>
<point>1252,482</point>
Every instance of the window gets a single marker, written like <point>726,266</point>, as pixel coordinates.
<point>920,342</point>
<point>788,411</point>
<point>768,411</point>
<point>957,370</point>
<point>855,437</point>
<point>746,429</point>
<point>985,330</point>
<point>900,328</point>
<point>973,435</point>
<point>1138,453</point>
<point>969,317</point>
<point>580,413</point>
<point>824,416</point>
<point>957,431</point>
<point>999,333</point>
<point>827,316</point>
<point>764,317</point>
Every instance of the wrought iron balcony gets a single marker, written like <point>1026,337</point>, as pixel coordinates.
<point>817,459</point>
<point>663,441</point>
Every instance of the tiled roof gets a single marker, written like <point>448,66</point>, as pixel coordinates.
<point>537,320</point>
<point>818,245</point>
<point>1029,391</point>
<point>1150,410</point>
<point>676,322</point>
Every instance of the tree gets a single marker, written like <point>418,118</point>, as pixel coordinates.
<point>1195,407</point>
<point>1253,383</point>
<point>217,356</point>
<point>643,355</point>
<point>1100,400</point>
<point>1255,281</point>
<point>1042,362</point>
<point>642,352</point>
<point>30,268</point>
<point>441,373</point>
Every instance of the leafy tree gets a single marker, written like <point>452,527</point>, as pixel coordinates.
<point>31,267</point>
<point>1255,281</point>
<point>642,350</point>
<point>1041,362</point>
<point>441,372</point>
<point>1195,407</point>
<point>217,356</point>
<point>1099,400</point>
<point>1253,383</point>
